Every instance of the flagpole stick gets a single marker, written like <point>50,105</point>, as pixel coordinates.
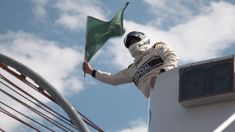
<point>84,68</point>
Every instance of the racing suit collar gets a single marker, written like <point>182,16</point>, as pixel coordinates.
<point>138,52</point>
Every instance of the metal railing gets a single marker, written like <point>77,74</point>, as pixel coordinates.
<point>15,91</point>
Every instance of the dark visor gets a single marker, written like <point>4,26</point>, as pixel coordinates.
<point>130,40</point>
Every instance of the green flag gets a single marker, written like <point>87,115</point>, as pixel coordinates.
<point>98,32</point>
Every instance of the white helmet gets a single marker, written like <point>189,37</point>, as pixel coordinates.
<point>137,43</point>
<point>135,36</point>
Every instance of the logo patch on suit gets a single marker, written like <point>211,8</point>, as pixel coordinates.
<point>146,67</point>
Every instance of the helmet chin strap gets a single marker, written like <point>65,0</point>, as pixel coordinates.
<point>138,48</point>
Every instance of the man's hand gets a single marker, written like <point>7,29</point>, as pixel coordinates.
<point>87,67</point>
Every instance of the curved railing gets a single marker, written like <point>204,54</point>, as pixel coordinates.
<point>43,86</point>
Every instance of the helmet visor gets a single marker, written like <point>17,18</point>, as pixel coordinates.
<point>131,40</point>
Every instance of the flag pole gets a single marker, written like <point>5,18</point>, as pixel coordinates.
<point>84,67</point>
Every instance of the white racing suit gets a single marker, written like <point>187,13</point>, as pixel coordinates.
<point>149,64</point>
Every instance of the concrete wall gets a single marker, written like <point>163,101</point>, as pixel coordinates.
<point>168,115</point>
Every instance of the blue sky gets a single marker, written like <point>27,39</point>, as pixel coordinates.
<point>49,37</point>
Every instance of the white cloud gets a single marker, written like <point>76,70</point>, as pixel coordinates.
<point>54,63</point>
<point>69,21</point>
<point>39,9</point>
<point>119,54</point>
<point>202,37</point>
<point>205,36</point>
<point>136,126</point>
<point>167,13</point>
<point>73,13</point>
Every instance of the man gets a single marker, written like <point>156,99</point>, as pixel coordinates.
<point>149,62</point>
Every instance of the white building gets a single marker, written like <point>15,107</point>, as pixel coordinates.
<point>197,97</point>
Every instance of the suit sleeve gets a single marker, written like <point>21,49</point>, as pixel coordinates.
<point>114,79</point>
<point>167,54</point>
